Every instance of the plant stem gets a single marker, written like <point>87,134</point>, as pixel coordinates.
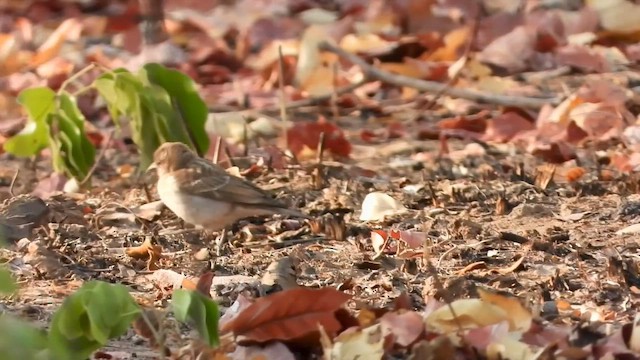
<point>76,76</point>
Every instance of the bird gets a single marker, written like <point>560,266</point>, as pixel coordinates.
<point>203,194</point>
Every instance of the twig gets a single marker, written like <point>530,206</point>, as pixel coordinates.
<point>76,76</point>
<point>430,86</point>
<point>98,159</point>
<point>315,100</point>
<point>465,57</point>
<point>13,182</point>
<point>216,152</point>
<point>283,101</point>
<point>333,102</point>
<point>320,149</point>
<point>228,153</point>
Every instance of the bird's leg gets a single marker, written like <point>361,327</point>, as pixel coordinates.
<point>221,242</point>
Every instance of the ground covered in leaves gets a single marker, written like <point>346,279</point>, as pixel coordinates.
<point>442,172</point>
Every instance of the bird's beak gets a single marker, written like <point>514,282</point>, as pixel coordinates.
<point>153,166</point>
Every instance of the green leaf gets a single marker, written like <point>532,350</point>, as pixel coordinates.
<point>20,340</point>
<point>90,317</point>
<point>161,104</point>
<point>39,103</point>
<point>74,153</point>
<point>185,100</point>
<point>191,306</point>
<point>7,285</point>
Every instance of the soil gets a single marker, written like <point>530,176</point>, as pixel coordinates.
<point>489,222</point>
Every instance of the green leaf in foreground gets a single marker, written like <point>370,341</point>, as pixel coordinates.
<point>161,104</point>
<point>39,103</point>
<point>186,101</point>
<point>7,285</point>
<point>76,153</point>
<point>21,341</point>
<point>88,318</point>
<point>191,306</point>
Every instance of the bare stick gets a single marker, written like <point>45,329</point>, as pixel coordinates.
<point>430,86</point>
<point>283,101</point>
<point>98,159</point>
<point>465,57</point>
<point>216,152</point>
<point>13,182</point>
<point>315,100</point>
<point>320,150</point>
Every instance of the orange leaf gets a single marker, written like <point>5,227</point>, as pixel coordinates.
<point>289,315</point>
<point>145,250</point>
<point>204,283</point>
<point>307,134</point>
<point>69,29</point>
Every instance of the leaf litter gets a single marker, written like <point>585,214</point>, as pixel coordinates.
<point>472,160</point>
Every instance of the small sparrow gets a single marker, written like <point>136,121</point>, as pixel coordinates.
<point>204,194</point>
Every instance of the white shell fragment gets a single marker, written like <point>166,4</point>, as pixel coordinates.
<point>377,205</point>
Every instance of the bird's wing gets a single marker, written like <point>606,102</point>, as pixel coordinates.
<point>217,184</point>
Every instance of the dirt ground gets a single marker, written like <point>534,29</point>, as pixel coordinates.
<point>487,220</point>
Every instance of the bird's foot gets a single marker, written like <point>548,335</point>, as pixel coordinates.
<point>222,243</point>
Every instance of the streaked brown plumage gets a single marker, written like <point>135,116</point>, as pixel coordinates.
<point>204,194</point>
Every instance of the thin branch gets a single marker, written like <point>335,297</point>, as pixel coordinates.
<point>316,100</point>
<point>107,143</point>
<point>13,182</point>
<point>283,98</point>
<point>466,55</point>
<point>430,86</point>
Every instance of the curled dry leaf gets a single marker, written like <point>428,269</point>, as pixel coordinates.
<point>377,205</point>
<point>470,313</point>
<point>367,343</point>
<point>520,318</point>
<point>145,250</point>
<point>273,351</point>
<point>288,315</point>
<point>281,272</point>
<point>405,326</point>
<point>304,137</point>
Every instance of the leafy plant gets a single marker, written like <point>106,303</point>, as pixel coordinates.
<point>90,317</point>
<point>55,121</point>
<point>7,285</point>
<point>161,104</point>
<point>192,306</point>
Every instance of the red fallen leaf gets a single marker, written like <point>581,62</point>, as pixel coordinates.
<point>413,239</point>
<point>288,315</point>
<point>546,43</point>
<point>307,134</point>
<point>575,134</point>
<point>378,240</point>
<point>395,130</point>
<point>125,19</point>
<point>95,138</point>
<point>555,153</point>
<point>204,283</point>
<point>475,124</point>
<point>443,149</point>
<point>621,163</point>
<point>405,326</point>
<point>512,50</point>
<point>504,127</point>
<point>481,337</point>
<point>403,302</point>
<point>369,136</point>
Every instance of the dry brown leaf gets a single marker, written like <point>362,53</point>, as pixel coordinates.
<point>68,30</point>
<point>365,343</point>
<point>288,315</point>
<point>145,250</point>
<point>519,319</point>
<point>405,326</point>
